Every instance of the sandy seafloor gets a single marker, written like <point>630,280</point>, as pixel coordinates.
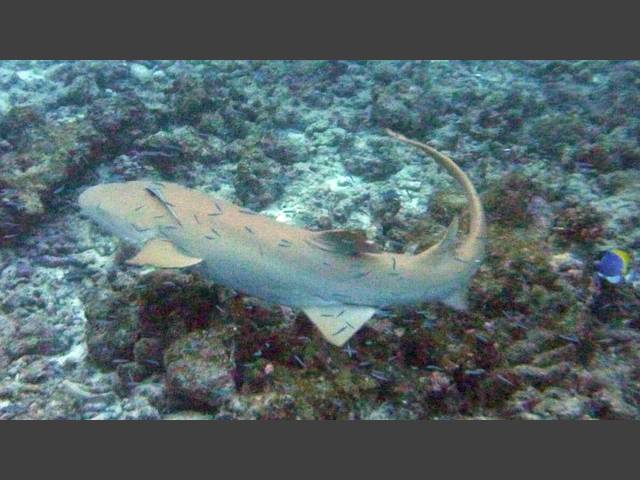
<point>551,146</point>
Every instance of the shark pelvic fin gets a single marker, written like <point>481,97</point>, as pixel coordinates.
<point>345,242</point>
<point>457,300</point>
<point>338,323</point>
<point>163,254</point>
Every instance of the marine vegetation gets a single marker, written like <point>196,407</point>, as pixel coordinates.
<point>267,154</point>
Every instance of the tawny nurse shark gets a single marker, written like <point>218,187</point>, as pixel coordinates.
<point>337,277</point>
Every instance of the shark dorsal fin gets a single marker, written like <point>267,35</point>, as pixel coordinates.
<point>345,242</point>
<point>163,254</point>
<point>448,242</point>
<point>338,323</point>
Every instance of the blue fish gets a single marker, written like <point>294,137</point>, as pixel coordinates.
<point>615,266</point>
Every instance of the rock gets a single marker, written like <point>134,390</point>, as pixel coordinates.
<point>555,356</point>
<point>258,181</point>
<point>532,375</point>
<point>82,91</point>
<point>28,335</point>
<point>263,406</point>
<point>521,351</point>
<point>190,97</point>
<point>285,149</point>
<point>141,72</point>
<point>7,330</point>
<point>46,155</point>
<point>372,168</point>
<point>121,120</point>
<point>611,405</point>
<point>565,261</point>
<point>200,368</point>
<point>112,328</point>
<point>436,385</point>
<point>174,303</point>
<point>560,404</point>
<point>187,415</point>
<point>407,108</point>
<point>24,270</point>
<point>130,374</point>
<point>382,412</point>
<point>551,375</point>
<point>175,152</point>
<point>138,408</point>
<point>37,371</point>
<point>148,352</point>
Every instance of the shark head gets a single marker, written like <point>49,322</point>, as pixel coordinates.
<point>120,208</point>
<point>94,197</point>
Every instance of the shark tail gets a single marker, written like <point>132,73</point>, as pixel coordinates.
<point>473,246</point>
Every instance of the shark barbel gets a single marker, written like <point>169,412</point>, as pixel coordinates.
<point>337,277</point>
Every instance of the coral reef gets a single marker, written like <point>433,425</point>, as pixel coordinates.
<point>552,147</point>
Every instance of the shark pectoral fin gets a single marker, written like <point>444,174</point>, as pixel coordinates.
<point>457,300</point>
<point>163,254</point>
<point>338,323</point>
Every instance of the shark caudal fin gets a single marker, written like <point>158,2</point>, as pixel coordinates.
<point>473,247</point>
<point>338,323</point>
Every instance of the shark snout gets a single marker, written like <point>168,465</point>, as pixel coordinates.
<point>93,197</point>
<point>88,199</point>
<point>83,199</point>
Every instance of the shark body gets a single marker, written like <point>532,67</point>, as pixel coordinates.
<point>337,278</point>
